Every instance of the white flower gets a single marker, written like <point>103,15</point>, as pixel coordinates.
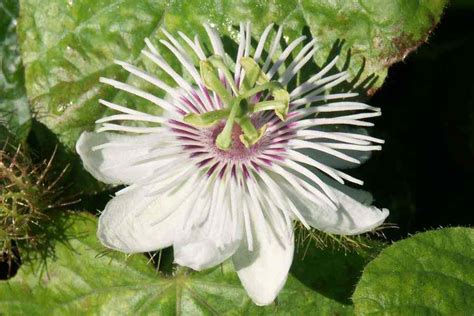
<point>234,160</point>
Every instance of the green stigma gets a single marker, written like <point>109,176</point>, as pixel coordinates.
<point>237,109</point>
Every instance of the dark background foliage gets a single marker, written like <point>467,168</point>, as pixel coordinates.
<point>425,172</point>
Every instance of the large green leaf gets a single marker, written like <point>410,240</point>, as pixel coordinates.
<point>82,279</point>
<point>431,273</point>
<point>14,109</point>
<point>67,45</point>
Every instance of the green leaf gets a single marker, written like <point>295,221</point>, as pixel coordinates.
<point>82,278</point>
<point>67,45</point>
<point>430,273</point>
<point>14,108</point>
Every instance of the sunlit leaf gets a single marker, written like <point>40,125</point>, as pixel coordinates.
<point>67,45</point>
<point>430,273</point>
<point>83,278</point>
<point>14,108</point>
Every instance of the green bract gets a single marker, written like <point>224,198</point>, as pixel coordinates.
<point>428,274</point>
<point>68,45</point>
<point>82,279</point>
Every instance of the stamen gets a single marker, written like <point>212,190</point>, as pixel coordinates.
<point>238,110</point>
<point>224,139</point>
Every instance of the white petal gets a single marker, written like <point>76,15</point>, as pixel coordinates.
<point>263,271</point>
<point>136,221</point>
<point>217,238</point>
<point>336,162</point>
<point>196,250</point>
<point>109,156</point>
<point>198,254</point>
<point>356,193</point>
<point>351,217</point>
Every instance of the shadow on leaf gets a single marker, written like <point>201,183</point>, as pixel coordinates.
<point>332,270</point>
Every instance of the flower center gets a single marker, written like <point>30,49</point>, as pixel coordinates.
<point>238,102</point>
<point>238,150</point>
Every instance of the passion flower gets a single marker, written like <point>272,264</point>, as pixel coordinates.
<point>234,160</point>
